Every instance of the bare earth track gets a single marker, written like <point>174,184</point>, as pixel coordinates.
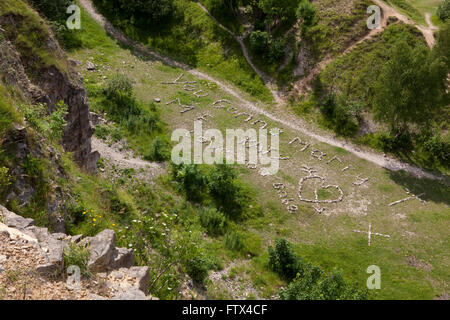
<point>283,119</point>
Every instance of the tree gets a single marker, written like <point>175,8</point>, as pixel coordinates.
<point>442,47</point>
<point>53,9</point>
<point>141,12</point>
<point>259,41</point>
<point>443,11</point>
<point>191,180</point>
<point>226,191</point>
<point>315,285</point>
<point>410,86</point>
<point>307,11</point>
<point>283,260</point>
<point>277,11</point>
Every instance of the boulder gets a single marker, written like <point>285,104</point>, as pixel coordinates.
<point>74,63</point>
<point>90,66</point>
<point>15,234</point>
<point>132,294</point>
<point>46,269</point>
<point>127,278</point>
<point>13,220</point>
<point>77,238</point>
<point>54,251</point>
<point>102,249</point>
<point>41,234</point>
<point>123,258</point>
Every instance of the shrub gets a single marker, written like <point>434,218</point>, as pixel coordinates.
<point>140,12</point>
<point>283,260</point>
<point>315,285</point>
<point>159,150</point>
<point>234,242</point>
<point>77,255</point>
<point>115,134</point>
<point>263,44</point>
<point>122,106</point>
<point>197,268</point>
<point>52,125</point>
<point>212,220</point>
<point>443,11</point>
<point>101,132</point>
<point>396,141</point>
<point>340,115</point>
<point>191,180</point>
<point>437,147</point>
<point>259,41</point>
<point>119,83</point>
<point>227,192</point>
<point>307,12</point>
<point>53,9</point>
<point>5,180</point>
<point>57,120</point>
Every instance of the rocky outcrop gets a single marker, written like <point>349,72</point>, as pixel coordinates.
<point>114,265</point>
<point>49,84</point>
<point>104,254</point>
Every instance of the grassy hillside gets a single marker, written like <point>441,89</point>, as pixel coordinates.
<point>416,9</point>
<point>216,223</point>
<point>326,240</point>
<point>192,37</point>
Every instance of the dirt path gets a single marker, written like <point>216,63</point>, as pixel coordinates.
<point>389,11</point>
<point>428,21</point>
<point>268,81</point>
<point>123,160</point>
<point>282,117</point>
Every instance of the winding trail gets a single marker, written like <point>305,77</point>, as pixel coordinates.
<point>388,11</point>
<point>268,81</point>
<point>282,118</point>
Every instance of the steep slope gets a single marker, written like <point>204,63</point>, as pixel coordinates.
<point>33,61</point>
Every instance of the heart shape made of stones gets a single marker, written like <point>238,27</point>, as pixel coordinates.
<point>323,186</point>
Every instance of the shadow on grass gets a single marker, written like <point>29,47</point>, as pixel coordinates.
<point>438,192</point>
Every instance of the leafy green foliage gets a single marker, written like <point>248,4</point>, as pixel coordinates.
<point>442,47</point>
<point>283,260</point>
<point>51,125</point>
<point>159,150</point>
<point>140,12</point>
<point>8,114</point>
<point>5,180</point>
<point>262,43</point>
<point>77,255</point>
<point>438,147</point>
<point>53,9</point>
<point>410,85</point>
<point>313,284</point>
<point>306,281</point>
<point>191,180</point>
<point>220,184</point>
<point>139,122</point>
<point>443,11</point>
<point>213,221</point>
<point>277,12</point>
<point>307,12</point>
<point>340,114</point>
<point>197,268</point>
<point>227,192</point>
<point>234,242</point>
